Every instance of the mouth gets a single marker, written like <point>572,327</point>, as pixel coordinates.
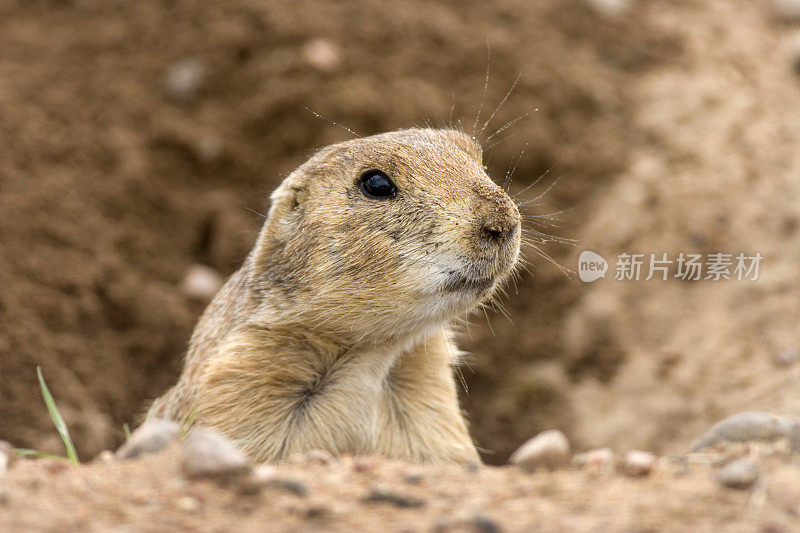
<point>460,282</point>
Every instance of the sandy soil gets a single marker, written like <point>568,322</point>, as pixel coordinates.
<point>151,494</point>
<point>672,126</point>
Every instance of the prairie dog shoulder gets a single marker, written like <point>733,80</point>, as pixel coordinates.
<point>334,334</point>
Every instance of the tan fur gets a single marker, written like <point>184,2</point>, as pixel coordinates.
<point>335,334</point>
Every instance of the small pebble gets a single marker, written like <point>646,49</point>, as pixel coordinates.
<point>263,473</point>
<point>294,486</point>
<point>184,79</point>
<point>6,456</point>
<point>599,458</point>
<point>548,449</point>
<point>747,426</point>
<point>201,283</point>
<point>638,463</point>
<point>151,437</point>
<point>738,474</point>
<point>786,10</point>
<point>106,456</point>
<point>266,475</point>
<point>322,54</point>
<point>414,478</point>
<point>381,494</point>
<point>472,467</point>
<point>188,503</point>
<point>209,453</point>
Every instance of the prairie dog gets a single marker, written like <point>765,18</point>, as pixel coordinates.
<point>335,333</point>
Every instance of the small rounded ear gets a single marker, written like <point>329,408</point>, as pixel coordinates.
<point>466,143</point>
<point>286,202</point>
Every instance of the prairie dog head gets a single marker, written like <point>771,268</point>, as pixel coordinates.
<point>386,236</point>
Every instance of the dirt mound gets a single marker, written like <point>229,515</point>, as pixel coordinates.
<point>682,493</point>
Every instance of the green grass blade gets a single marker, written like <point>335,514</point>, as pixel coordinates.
<point>152,410</point>
<point>188,424</point>
<point>24,452</point>
<point>127,431</point>
<point>58,421</point>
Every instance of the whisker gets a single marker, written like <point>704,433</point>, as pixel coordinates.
<point>485,124</point>
<point>488,322</point>
<point>537,180</point>
<point>513,169</point>
<point>508,125</point>
<point>487,147</point>
<point>546,256</point>
<point>485,86</point>
<point>259,213</point>
<point>547,190</point>
<point>332,122</point>
<point>452,107</point>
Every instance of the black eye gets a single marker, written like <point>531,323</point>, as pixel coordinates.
<point>376,184</point>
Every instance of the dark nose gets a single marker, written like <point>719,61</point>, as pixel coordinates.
<point>498,231</point>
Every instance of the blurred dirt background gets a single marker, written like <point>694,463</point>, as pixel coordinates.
<point>141,138</point>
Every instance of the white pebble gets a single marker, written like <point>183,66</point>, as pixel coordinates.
<point>738,474</point>
<point>6,456</point>
<point>184,79</point>
<point>151,437</point>
<point>106,457</point>
<point>188,503</point>
<point>201,282</point>
<point>547,449</point>
<point>209,453</point>
<point>322,54</point>
<point>638,463</point>
<point>264,473</point>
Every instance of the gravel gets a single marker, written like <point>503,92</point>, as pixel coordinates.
<point>151,437</point>
<point>748,426</point>
<point>382,494</point>
<point>638,463</point>
<point>549,449</point>
<point>738,474</point>
<point>209,453</point>
<point>6,456</point>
